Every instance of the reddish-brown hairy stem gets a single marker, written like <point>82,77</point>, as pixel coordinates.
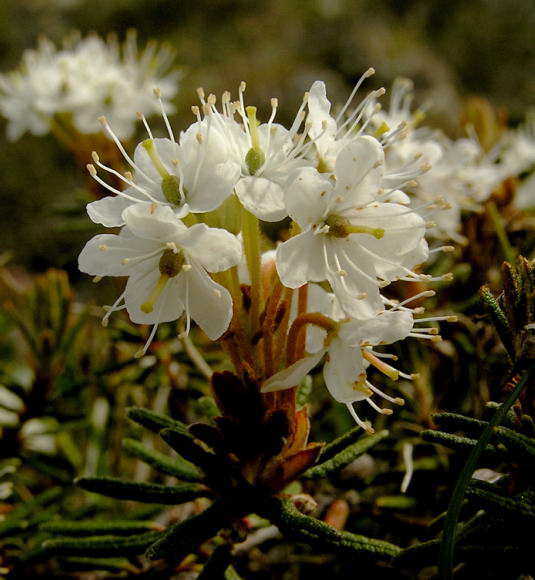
<point>298,327</point>
<point>282,329</point>
<point>302,300</point>
<point>271,312</point>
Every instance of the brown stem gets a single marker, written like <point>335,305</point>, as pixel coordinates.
<point>298,326</point>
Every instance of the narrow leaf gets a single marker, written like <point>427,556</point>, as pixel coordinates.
<point>102,545</point>
<point>344,457</point>
<point>143,492</point>
<point>96,527</point>
<point>153,421</point>
<point>175,466</point>
<point>185,537</point>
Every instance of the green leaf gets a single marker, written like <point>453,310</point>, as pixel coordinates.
<point>344,457</point>
<point>155,422</point>
<point>456,422</point>
<point>499,320</point>
<point>517,442</point>
<point>340,443</point>
<point>457,442</point>
<point>96,527</point>
<point>447,545</point>
<point>185,537</point>
<point>175,466</point>
<point>303,528</point>
<point>143,492</point>
<point>505,505</point>
<point>102,545</point>
<point>216,467</point>
<point>23,514</point>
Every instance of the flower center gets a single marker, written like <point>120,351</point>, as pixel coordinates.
<point>171,264</point>
<point>170,183</point>
<point>255,157</point>
<point>341,228</point>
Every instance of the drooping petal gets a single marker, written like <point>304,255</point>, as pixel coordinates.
<point>292,375</point>
<point>359,172</point>
<point>153,222</point>
<point>344,370</point>
<point>301,259</point>
<point>117,255</point>
<point>307,196</point>
<point>208,303</point>
<point>108,211</point>
<point>214,248</point>
<point>262,197</point>
<point>386,328</point>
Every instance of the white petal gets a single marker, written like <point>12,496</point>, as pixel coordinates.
<point>319,114</point>
<point>352,276</point>
<point>292,375</point>
<point>108,210</point>
<point>359,171</point>
<point>386,328</point>
<point>166,308</point>
<point>525,194</point>
<point>262,197</point>
<point>300,260</point>
<point>153,222</point>
<point>214,248</point>
<point>214,184</point>
<point>402,241</point>
<point>208,303</point>
<point>307,196</point>
<point>343,369</point>
<point>104,255</point>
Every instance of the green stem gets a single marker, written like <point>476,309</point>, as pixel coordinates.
<point>447,545</point>
<point>251,243</point>
<point>508,250</point>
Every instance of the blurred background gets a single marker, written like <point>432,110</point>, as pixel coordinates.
<point>450,48</point>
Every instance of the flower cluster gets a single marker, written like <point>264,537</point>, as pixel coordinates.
<point>60,90</point>
<point>353,233</point>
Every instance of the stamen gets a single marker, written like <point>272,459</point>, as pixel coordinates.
<point>370,72</point>
<point>377,408</point>
<point>396,400</point>
<point>126,178</point>
<point>364,424</point>
<point>386,369</point>
<point>158,94</point>
<point>142,118</point>
<point>442,249</point>
<point>409,466</point>
<point>113,308</point>
<point>104,122</point>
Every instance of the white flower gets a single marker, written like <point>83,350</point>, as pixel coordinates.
<point>461,176</point>
<point>349,236</point>
<point>267,153</point>
<point>166,264</point>
<point>330,134</point>
<point>519,148</point>
<point>194,175</point>
<point>349,353</point>
<point>86,79</point>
